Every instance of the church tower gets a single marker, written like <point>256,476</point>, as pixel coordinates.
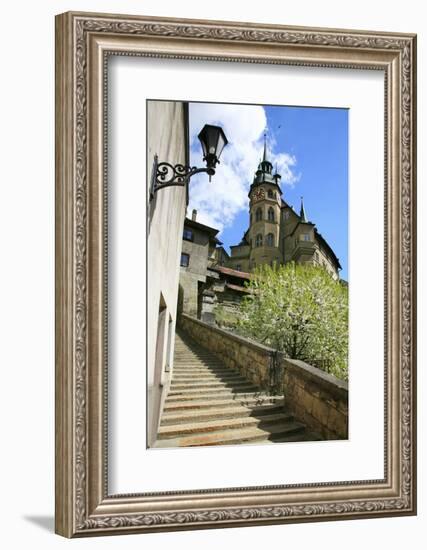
<point>264,215</point>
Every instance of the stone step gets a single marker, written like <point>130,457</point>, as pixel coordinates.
<point>209,364</point>
<point>199,352</point>
<point>182,369</point>
<point>186,344</point>
<point>194,353</point>
<point>204,371</point>
<point>199,373</point>
<point>195,359</point>
<point>196,393</point>
<point>196,350</point>
<point>240,397</point>
<point>210,404</point>
<point>202,404</point>
<point>218,413</point>
<point>181,429</point>
<point>206,378</point>
<point>199,367</point>
<point>182,378</point>
<point>234,437</point>
<point>207,385</point>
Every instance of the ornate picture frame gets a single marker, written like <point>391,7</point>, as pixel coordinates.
<point>84,42</point>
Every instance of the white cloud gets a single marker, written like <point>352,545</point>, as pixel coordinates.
<point>285,167</point>
<point>219,202</point>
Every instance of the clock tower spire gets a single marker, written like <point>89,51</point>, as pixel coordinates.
<point>264,214</point>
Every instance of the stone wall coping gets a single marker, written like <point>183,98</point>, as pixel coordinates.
<point>236,337</point>
<point>327,381</point>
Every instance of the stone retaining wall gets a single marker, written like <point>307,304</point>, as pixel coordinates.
<point>316,398</point>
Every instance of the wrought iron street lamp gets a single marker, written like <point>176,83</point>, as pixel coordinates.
<point>213,141</point>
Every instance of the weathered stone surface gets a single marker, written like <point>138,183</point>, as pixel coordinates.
<point>337,422</point>
<point>316,398</point>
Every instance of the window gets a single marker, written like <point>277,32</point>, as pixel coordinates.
<point>188,234</point>
<point>306,237</point>
<point>185,259</point>
<point>270,214</point>
<point>270,194</point>
<point>238,267</point>
<point>258,240</point>
<point>258,215</point>
<point>286,215</point>
<point>269,240</point>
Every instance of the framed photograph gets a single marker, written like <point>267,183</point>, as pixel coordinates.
<point>235,274</point>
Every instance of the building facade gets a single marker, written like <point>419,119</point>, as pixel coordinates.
<point>167,137</point>
<point>204,280</point>
<point>199,243</point>
<point>276,233</point>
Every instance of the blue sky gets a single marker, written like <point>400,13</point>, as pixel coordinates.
<point>309,146</point>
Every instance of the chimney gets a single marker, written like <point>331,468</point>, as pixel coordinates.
<point>194,215</point>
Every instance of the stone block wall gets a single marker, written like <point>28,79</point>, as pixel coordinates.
<point>316,398</point>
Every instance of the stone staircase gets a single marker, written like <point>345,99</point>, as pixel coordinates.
<point>210,404</point>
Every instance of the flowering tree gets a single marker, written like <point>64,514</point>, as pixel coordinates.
<point>302,311</point>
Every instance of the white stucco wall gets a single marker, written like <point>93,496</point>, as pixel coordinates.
<point>166,213</point>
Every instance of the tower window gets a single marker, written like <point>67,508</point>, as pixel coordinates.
<point>270,214</point>
<point>258,215</point>
<point>306,237</point>
<point>269,239</point>
<point>270,194</point>
<point>258,240</point>
<point>238,267</point>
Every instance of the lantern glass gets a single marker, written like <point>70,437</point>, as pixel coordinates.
<point>222,142</point>
<point>213,140</point>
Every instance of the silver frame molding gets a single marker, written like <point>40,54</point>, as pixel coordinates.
<point>83,43</point>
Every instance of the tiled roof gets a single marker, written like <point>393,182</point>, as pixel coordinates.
<point>201,226</point>
<point>232,272</point>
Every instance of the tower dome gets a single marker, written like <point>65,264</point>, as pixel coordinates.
<point>264,172</point>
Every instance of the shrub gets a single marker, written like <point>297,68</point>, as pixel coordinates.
<point>300,310</point>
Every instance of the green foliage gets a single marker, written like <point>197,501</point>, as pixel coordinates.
<point>302,311</point>
<point>225,318</point>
